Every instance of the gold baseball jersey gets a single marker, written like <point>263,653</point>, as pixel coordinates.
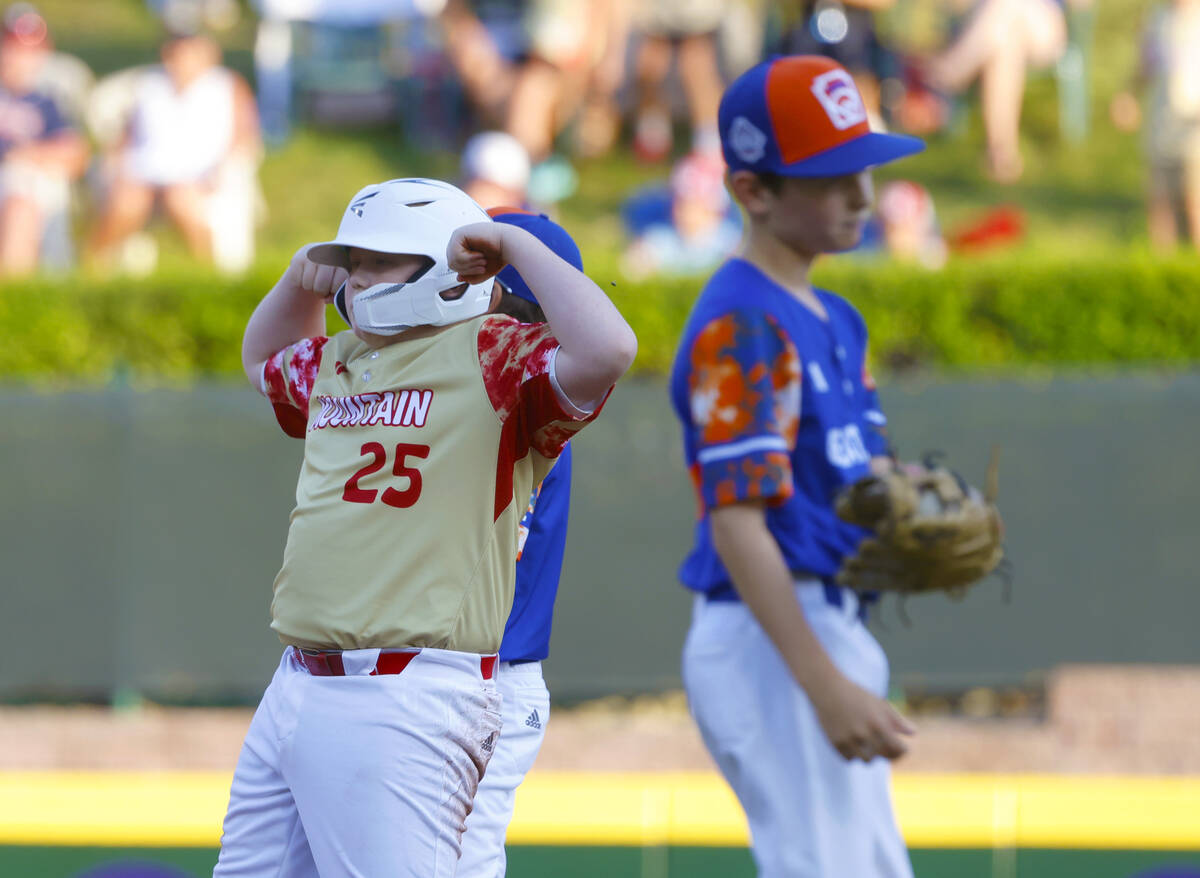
<point>418,461</point>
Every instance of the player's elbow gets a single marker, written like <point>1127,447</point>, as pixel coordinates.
<point>589,374</point>
<point>253,362</point>
<point>612,360</point>
<point>604,360</point>
<point>621,352</point>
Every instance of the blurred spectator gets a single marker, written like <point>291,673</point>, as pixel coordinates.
<point>999,40</point>
<point>743,35</point>
<point>685,229</point>
<point>904,225</point>
<point>844,32</point>
<point>574,60</point>
<point>484,41</point>
<point>599,112</point>
<point>495,170</point>
<point>67,81</point>
<point>535,67</point>
<point>194,15</point>
<point>274,68</point>
<point>1169,72</point>
<point>190,136</point>
<point>687,31</point>
<point>273,78</point>
<point>40,151</point>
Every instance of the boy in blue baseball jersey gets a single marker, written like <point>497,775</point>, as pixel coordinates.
<point>778,411</point>
<point>525,705</point>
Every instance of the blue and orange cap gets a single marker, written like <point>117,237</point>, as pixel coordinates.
<point>545,230</point>
<point>802,116</point>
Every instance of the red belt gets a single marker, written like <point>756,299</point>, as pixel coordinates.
<point>328,663</point>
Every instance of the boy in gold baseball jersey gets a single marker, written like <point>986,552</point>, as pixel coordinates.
<point>426,427</point>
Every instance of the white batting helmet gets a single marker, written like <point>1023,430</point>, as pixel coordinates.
<point>412,216</point>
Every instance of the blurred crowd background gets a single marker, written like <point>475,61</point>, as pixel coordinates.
<point>221,131</point>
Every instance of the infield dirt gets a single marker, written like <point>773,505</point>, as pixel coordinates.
<point>1097,719</point>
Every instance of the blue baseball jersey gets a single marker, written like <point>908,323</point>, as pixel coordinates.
<point>776,405</point>
<point>543,535</point>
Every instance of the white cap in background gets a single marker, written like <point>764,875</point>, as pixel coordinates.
<point>496,158</point>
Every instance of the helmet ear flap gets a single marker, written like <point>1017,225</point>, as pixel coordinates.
<point>339,302</point>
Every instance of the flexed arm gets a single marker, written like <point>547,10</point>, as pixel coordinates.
<point>292,310</point>
<point>597,346</point>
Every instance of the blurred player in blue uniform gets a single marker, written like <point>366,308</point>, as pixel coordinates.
<point>779,412</point>
<point>525,708</point>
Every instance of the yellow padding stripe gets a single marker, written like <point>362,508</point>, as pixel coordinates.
<point>935,810</point>
<point>113,808</point>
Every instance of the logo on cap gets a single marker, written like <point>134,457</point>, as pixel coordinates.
<point>839,98</point>
<point>746,140</point>
<point>357,207</point>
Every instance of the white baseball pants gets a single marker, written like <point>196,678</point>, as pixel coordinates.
<point>812,814</point>
<point>526,709</point>
<point>360,776</point>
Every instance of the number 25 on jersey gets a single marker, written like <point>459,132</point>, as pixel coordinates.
<point>400,499</point>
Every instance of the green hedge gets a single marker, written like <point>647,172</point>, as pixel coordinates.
<point>989,315</point>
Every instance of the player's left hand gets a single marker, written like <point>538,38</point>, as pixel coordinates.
<point>476,251</point>
<point>858,723</point>
<point>932,531</point>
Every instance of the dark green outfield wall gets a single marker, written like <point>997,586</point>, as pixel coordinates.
<point>618,862</point>
<point>140,533</point>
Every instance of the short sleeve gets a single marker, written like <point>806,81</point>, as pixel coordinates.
<point>288,379</point>
<point>516,360</point>
<point>744,396</point>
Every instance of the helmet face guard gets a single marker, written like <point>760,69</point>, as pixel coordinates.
<point>386,309</point>
<point>412,216</point>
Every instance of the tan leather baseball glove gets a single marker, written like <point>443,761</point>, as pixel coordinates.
<point>932,531</point>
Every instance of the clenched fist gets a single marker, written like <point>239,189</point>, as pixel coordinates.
<point>314,277</point>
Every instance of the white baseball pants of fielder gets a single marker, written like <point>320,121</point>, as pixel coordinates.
<point>525,711</point>
<point>360,775</point>
<point>812,814</point>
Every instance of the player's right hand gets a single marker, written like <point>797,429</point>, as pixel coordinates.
<point>314,277</point>
<point>861,725</point>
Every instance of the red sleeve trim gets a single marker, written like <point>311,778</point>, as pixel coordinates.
<point>508,355</point>
<point>291,420</point>
<point>289,377</point>
<point>514,360</point>
<point>274,382</point>
<point>536,423</point>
